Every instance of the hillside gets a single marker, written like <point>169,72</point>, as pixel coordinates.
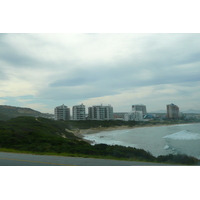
<point>36,134</point>
<point>46,136</point>
<point>40,135</point>
<point>8,112</point>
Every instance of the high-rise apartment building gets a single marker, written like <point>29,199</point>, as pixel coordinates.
<point>172,111</point>
<point>78,112</point>
<point>140,108</point>
<point>62,113</point>
<point>100,112</point>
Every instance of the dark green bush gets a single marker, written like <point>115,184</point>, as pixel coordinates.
<point>178,159</point>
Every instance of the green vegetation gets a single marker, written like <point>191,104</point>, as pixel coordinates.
<point>45,136</point>
<point>173,121</point>
<point>96,124</point>
<point>112,123</point>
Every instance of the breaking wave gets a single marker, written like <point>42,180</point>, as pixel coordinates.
<point>183,135</point>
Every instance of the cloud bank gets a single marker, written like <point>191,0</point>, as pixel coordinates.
<point>46,70</point>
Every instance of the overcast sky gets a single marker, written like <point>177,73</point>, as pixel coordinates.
<point>42,71</point>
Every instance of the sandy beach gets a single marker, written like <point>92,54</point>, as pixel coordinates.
<point>81,132</point>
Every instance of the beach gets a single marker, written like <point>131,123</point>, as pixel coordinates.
<point>81,132</point>
<point>157,139</point>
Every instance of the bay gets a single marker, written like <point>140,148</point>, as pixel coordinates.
<point>158,140</point>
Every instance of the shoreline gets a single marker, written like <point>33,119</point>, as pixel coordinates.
<point>82,132</point>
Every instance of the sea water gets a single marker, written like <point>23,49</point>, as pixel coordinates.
<point>158,140</point>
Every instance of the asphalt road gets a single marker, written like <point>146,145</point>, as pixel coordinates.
<point>17,159</point>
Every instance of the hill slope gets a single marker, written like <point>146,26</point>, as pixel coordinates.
<point>36,134</point>
<point>8,112</point>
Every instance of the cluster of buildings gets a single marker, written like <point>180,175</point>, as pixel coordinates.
<point>100,112</point>
<point>137,114</point>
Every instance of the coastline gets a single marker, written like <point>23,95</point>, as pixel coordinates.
<point>81,132</point>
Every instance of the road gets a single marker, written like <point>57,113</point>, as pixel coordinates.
<point>17,159</point>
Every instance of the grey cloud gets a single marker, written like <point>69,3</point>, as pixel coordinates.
<point>114,80</point>
<point>18,60</point>
<point>151,60</point>
<point>75,93</point>
<point>12,56</point>
<point>69,82</point>
<point>192,58</point>
<point>3,76</point>
<point>170,49</point>
<point>18,57</point>
<point>76,77</point>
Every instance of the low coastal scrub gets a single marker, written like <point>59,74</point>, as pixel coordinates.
<point>87,124</point>
<point>44,136</point>
<point>179,158</point>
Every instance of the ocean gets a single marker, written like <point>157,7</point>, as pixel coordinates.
<point>158,140</point>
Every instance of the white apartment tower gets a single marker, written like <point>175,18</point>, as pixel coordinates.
<point>100,112</point>
<point>139,108</point>
<point>62,113</point>
<point>79,112</point>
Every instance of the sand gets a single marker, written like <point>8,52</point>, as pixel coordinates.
<point>81,132</point>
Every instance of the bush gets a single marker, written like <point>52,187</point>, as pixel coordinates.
<point>178,159</point>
